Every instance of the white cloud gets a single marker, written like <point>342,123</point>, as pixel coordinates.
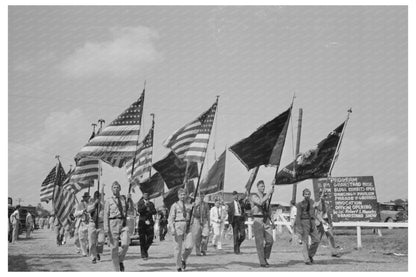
<point>128,52</point>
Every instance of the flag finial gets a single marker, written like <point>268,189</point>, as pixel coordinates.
<point>57,157</point>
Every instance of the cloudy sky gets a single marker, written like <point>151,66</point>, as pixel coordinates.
<point>70,66</point>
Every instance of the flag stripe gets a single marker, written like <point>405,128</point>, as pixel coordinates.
<point>46,189</point>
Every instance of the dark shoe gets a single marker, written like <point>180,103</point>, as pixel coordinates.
<point>94,261</point>
<point>179,269</point>
<point>308,263</point>
<point>98,257</point>
<point>121,267</point>
<point>264,265</point>
<point>336,255</point>
<point>183,265</point>
<point>310,258</point>
<point>204,253</point>
<point>145,258</point>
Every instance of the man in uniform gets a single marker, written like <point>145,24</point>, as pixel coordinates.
<point>236,218</point>
<point>262,229</point>
<point>177,224</point>
<point>82,217</point>
<point>324,222</point>
<point>163,222</point>
<point>305,226</point>
<point>15,221</point>
<point>200,226</point>
<point>96,227</point>
<point>115,225</point>
<point>146,210</point>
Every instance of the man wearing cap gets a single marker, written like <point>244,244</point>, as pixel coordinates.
<point>236,218</point>
<point>96,226</point>
<point>324,222</point>
<point>177,224</point>
<point>200,225</point>
<point>82,217</point>
<point>305,226</point>
<point>262,229</point>
<point>115,225</point>
<point>146,210</point>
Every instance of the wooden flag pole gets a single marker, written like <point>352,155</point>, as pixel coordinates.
<point>153,133</point>
<point>295,185</point>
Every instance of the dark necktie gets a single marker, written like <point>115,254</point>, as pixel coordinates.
<point>184,210</point>
<point>120,207</point>
<point>308,207</point>
<point>323,206</point>
<point>239,208</point>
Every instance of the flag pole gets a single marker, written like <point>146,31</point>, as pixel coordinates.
<point>295,185</point>
<point>199,177</point>
<point>137,143</point>
<point>339,142</point>
<point>153,132</point>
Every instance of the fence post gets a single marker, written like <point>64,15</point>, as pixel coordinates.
<point>359,237</point>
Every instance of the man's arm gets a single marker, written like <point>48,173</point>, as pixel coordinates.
<point>171,219</point>
<point>106,216</point>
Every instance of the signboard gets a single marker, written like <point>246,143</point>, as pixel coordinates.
<point>350,198</point>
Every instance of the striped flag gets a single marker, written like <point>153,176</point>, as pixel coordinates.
<point>46,190</point>
<point>86,171</point>
<point>190,142</point>
<point>63,200</point>
<point>143,160</point>
<point>117,142</point>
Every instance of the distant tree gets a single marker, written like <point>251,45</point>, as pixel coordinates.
<point>399,201</point>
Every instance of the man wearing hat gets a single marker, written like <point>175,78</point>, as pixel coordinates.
<point>96,226</point>
<point>177,223</point>
<point>115,225</point>
<point>200,225</point>
<point>236,218</point>
<point>305,226</point>
<point>146,210</point>
<point>81,224</point>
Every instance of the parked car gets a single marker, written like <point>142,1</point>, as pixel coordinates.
<point>391,212</point>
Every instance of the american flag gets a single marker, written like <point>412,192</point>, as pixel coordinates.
<point>190,142</point>
<point>117,142</point>
<point>46,190</point>
<point>143,159</point>
<point>63,200</point>
<point>86,171</point>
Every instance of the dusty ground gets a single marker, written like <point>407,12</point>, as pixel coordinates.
<point>41,254</point>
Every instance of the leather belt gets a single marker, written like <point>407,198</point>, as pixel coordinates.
<point>180,220</point>
<point>258,215</point>
<point>118,217</point>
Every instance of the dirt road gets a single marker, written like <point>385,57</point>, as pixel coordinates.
<point>40,253</point>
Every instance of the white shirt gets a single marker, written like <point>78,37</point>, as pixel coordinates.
<point>236,209</point>
<point>217,214</point>
<point>14,217</point>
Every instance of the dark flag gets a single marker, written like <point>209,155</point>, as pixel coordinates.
<point>153,186</point>
<point>173,170</point>
<point>214,181</point>
<point>314,163</point>
<point>171,196</point>
<point>265,145</point>
<point>252,178</point>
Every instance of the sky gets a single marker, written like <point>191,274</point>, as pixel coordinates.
<point>72,65</point>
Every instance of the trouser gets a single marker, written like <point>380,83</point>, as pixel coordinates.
<point>239,232</point>
<point>146,234</point>
<point>263,236</point>
<point>116,231</point>
<point>183,248</point>
<point>95,239</point>
<point>217,239</point>
<point>83,238</point>
<point>163,229</point>
<point>308,228</point>
<point>200,235</point>
<point>76,239</point>
<point>329,234</point>
<point>15,232</point>
<point>59,234</point>
<point>28,230</point>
